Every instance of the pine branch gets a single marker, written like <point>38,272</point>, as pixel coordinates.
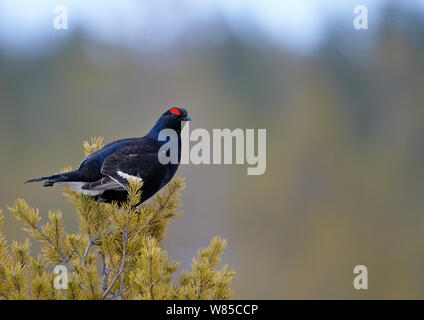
<point>31,223</point>
<point>121,269</point>
<point>133,265</point>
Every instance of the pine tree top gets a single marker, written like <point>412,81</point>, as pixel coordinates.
<point>116,253</point>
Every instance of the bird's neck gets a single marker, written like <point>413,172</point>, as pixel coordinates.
<point>165,137</point>
<point>158,127</point>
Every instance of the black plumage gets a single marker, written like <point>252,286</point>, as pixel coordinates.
<point>104,174</point>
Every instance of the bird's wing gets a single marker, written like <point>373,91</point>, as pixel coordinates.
<point>130,162</point>
<point>103,184</point>
<point>106,150</point>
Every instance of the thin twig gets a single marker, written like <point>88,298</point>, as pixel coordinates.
<point>122,285</point>
<point>105,272</point>
<point>124,256</point>
<point>119,294</point>
<point>90,243</point>
<point>152,296</point>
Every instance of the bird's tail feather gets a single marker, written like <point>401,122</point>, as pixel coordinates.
<point>51,180</point>
<point>36,180</point>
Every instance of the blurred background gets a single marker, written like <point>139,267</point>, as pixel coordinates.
<point>342,108</point>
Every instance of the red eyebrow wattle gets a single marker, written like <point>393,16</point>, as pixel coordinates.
<point>176,111</point>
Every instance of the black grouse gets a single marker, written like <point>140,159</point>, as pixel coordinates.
<point>105,173</point>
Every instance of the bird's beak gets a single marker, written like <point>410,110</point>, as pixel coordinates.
<point>186,118</point>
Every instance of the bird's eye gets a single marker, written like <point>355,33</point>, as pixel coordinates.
<point>173,115</point>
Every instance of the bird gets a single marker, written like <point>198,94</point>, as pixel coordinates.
<point>105,173</point>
